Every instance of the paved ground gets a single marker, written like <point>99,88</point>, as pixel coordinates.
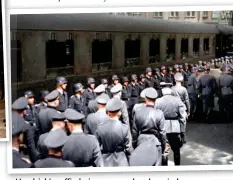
<point>2,117</point>
<point>207,144</point>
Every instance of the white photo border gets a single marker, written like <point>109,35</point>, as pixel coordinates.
<point>100,169</point>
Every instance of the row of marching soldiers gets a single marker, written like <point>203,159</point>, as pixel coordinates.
<point>125,124</point>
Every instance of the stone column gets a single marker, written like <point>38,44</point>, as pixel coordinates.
<point>163,47</point>
<point>190,48</point>
<point>82,53</point>
<point>33,55</point>
<point>178,47</point>
<point>201,46</point>
<point>144,50</point>
<point>118,51</point>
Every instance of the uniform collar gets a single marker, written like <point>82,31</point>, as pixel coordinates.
<point>115,119</point>
<point>76,131</point>
<point>60,91</point>
<point>102,110</point>
<point>15,149</point>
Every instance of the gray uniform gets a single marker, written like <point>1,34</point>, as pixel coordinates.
<point>175,122</point>
<point>83,150</point>
<point>149,123</point>
<point>181,92</point>
<point>93,120</point>
<point>78,103</point>
<point>41,147</point>
<point>114,140</point>
<point>63,102</point>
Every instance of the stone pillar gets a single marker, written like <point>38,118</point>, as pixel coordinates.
<point>118,51</point>
<point>190,48</point>
<point>144,50</point>
<point>163,47</point>
<point>82,53</point>
<point>201,46</point>
<point>33,55</point>
<point>178,47</point>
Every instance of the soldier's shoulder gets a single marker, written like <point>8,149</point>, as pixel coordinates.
<point>72,97</point>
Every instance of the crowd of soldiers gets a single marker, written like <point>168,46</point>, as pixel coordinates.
<point>134,121</point>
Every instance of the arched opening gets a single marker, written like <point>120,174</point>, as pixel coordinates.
<point>184,48</point>
<point>132,53</point>
<point>206,46</point>
<point>16,61</point>
<point>196,44</point>
<point>154,51</point>
<point>101,55</point>
<point>171,48</point>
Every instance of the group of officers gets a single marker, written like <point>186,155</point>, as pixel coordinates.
<point>134,121</point>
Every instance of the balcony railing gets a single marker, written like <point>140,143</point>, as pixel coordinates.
<point>101,67</point>
<point>154,59</point>
<point>132,62</point>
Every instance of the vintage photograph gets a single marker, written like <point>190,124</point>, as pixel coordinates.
<point>2,99</point>
<point>122,89</point>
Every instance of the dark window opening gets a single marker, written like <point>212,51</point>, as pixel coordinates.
<point>16,61</point>
<point>101,54</point>
<point>171,49</point>
<point>59,54</point>
<point>154,51</point>
<point>196,44</point>
<point>132,52</point>
<point>184,48</point>
<point>206,45</point>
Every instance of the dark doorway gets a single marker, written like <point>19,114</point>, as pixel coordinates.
<point>196,44</point>
<point>132,52</point>
<point>206,46</point>
<point>184,48</point>
<point>171,49</point>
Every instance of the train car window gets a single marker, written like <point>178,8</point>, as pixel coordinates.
<point>196,43</point>
<point>16,61</point>
<point>154,51</point>
<point>132,52</point>
<point>184,48</point>
<point>171,47</point>
<point>206,45</point>
<point>59,54</point>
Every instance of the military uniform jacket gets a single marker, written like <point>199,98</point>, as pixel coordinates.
<point>192,85</point>
<point>164,78</point>
<point>78,104</point>
<point>31,115</point>
<point>18,161</point>
<point>148,123</point>
<point>141,87</point>
<point>63,101</point>
<point>93,120</point>
<point>45,120</point>
<point>226,84</point>
<point>40,106</point>
<point>89,94</point>
<point>207,85</point>
<point>92,106</point>
<point>181,92</point>
<point>149,82</point>
<point>174,112</point>
<point>83,150</point>
<point>171,78</point>
<point>114,139</point>
<point>53,162</point>
<point>134,94</point>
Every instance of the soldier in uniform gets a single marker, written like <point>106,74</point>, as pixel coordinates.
<point>184,75</point>
<point>156,78</point>
<point>125,90</point>
<point>44,124</point>
<point>175,120</point>
<point>54,142</point>
<point>61,88</point>
<point>188,74</point>
<point>19,107</point>
<point>141,83</point>
<point>180,91</point>
<point>81,149</point>
<point>117,92</point>
<point>58,122</point>
<point>18,125</point>
<point>94,119</point>
<point>115,81</point>
<point>163,75</point>
<point>149,81</point>
<point>89,93</point>
<point>226,94</point>
<point>115,146</point>
<point>77,101</point>
<point>206,87</point>
<point>30,113</point>
<point>134,91</point>
<point>192,91</point>
<point>171,75</point>
<point>148,125</point>
<point>176,68</point>
<point>43,103</point>
<point>105,83</point>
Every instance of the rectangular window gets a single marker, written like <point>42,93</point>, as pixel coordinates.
<point>205,14</point>
<point>190,13</point>
<point>158,14</point>
<point>174,14</point>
